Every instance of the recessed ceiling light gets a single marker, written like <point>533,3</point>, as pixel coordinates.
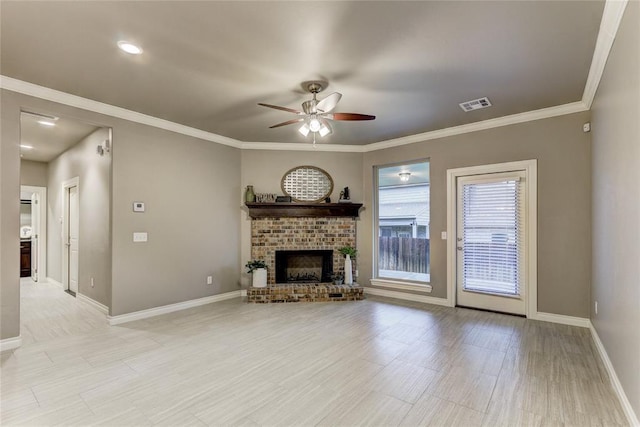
<point>129,47</point>
<point>46,123</point>
<point>26,147</point>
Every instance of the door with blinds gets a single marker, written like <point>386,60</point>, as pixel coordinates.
<point>491,233</point>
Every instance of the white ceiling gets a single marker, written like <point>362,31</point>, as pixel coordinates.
<point>207,64</point>
<point>49,142</point>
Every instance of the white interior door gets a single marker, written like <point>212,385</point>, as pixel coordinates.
<point>491,240</point>
<point>73,238</point>
<point>35,233</point>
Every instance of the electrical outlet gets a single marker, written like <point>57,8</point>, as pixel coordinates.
<point>92,284</point>
<point>356,272</point>
<point>209,280</point>
<point>596,307</point>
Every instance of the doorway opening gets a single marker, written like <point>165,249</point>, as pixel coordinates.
<point>66,165</point>
<point>33,232</point>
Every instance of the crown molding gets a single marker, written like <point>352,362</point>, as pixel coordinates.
<point>289,146</point>
<point>544,113</point>
<point>611,17</point>
<point>42,92</point>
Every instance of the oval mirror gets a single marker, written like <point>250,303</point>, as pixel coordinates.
<point>307,184</point>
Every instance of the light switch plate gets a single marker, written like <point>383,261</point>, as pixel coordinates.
<point>140,237</point>
<point>138,206</point>
<point>443,235</point>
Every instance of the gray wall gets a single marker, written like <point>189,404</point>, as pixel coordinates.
<point>564,201</point>
<point>33,173</point>
<point>264,170</point>
<point>94,174</point>
<point>9,216</point>
<point>616,206</point>
<point>190,188</point>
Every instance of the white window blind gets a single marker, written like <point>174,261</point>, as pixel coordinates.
<point>493,236</point>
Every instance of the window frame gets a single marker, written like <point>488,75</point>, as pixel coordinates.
<point>376,280</point>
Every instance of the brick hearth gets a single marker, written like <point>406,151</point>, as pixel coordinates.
<point>305,293</point>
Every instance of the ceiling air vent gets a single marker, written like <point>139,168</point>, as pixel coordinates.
<point>476,104</point>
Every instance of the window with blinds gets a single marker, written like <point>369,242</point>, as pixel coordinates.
<point>493,236</point>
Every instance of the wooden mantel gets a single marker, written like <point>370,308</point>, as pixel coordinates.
<point>301,210</point>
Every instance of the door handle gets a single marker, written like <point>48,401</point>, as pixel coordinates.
<point>459,248</point>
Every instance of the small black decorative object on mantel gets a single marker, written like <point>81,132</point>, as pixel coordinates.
<point>283,199</point>
<point>344,196</point>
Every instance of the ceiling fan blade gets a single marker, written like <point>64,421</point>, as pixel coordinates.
<point>349,116</point>
<point>289,110</point>
<point>288,122</point>
<point>329,103</point>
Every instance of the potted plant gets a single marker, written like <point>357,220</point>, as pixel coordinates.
<point>348,252</point>
<point>258,269</point>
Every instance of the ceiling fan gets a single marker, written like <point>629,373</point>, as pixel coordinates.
<point>315,113</point>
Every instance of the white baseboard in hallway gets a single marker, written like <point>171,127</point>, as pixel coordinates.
<point>10,343</point>
<point>103,308</point>
<point>157,311</point>
<point>54,282</point>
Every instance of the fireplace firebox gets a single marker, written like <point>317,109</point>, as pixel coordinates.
<point>304,266</point>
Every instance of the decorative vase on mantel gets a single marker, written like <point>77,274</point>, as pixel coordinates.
<point>249,194</point>
<point>348,272</point>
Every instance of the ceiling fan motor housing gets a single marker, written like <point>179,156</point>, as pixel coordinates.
<point>309,107</point>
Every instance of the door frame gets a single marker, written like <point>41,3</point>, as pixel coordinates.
<point>531,182</point>
<point>73,182</point>
<point>42,228</point>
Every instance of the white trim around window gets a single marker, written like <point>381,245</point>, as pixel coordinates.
<point>405,286</point>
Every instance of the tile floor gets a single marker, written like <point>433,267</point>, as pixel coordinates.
<point>373,362</point>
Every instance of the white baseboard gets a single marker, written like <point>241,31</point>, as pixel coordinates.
<point>405,296</point>
<point>103,308</point>
<point>157,311</point>
<point>10,343</point>
<point>561,319</point>
<point>54,282</point>
<point>615,382</point>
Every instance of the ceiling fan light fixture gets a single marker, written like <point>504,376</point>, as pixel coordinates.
<point>314,124</point>
<point>404,176</point>
<point>324,131</point>
<point>304,129</point>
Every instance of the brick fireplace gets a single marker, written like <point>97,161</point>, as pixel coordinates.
<point>269,235</point>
